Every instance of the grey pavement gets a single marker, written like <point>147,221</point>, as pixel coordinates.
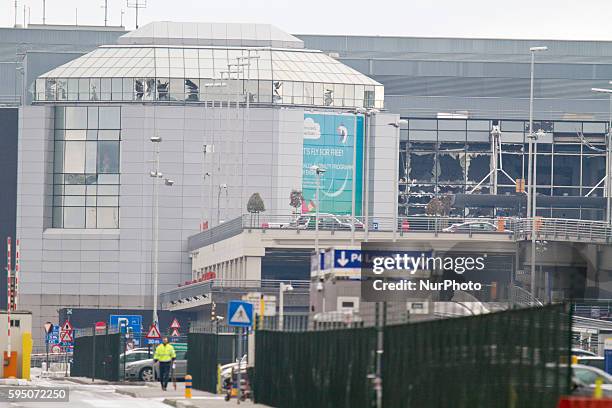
<point>101,394</point>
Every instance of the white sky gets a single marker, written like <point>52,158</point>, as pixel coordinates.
<point>542,19</point>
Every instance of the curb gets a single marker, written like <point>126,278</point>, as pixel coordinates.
<point>179,403</point>
<point>130,393</point>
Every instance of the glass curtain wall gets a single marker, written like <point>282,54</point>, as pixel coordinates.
<point>452,156</point>
<point>86,167</point>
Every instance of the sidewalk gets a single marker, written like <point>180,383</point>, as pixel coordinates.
<point>176,398</point>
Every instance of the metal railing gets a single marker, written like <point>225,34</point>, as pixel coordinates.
<point>231,285</point>
<point>559,229</point>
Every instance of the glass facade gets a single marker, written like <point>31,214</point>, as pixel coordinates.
<point>191,75</point>
<point>86,167</point>
<point>451,156</point>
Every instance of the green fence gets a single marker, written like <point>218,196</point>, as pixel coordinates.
<point>206,351</point>
<point>510,359</point>
<point>506,359</point>
<point>99,353</point>
<point>327,369</point>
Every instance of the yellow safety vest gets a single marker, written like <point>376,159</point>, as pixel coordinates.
<point>164,353</point>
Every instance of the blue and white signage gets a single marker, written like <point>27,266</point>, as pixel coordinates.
<point>54,335</point>
<point>131,324</point>
<point>347,258</point>
<point>240,313</point>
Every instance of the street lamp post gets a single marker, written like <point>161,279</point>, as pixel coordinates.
<point>157,175</point>
<point>531,192</point>
<point>397,125</point>
<point>608,181</point>
<point>283,287</point>
<point>319,171</point>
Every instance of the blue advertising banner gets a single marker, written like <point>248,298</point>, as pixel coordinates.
<point>334,142</point>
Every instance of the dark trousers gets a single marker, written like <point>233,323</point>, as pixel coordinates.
<point>164,372</point>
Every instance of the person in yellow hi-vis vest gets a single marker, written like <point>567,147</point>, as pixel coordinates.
<point>165,355</point>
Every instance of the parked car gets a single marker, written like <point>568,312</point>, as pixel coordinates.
<point>227,369</point>
<point>580,352</point>
<point>587,375</point>
<point>473,226</point>
<point>136,354</point>
<point>597,362</point>
<point>146,369</point>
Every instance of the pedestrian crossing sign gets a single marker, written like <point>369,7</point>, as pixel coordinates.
<point>240,313</point>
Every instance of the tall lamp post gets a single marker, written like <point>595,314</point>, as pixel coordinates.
<point>397,125</point>
<point>608,155</point>
<point>531,192</point>
<point>319,171</point>
<point>157,175</point>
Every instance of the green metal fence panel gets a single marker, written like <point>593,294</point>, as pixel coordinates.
<point>101,353</point>
<point>511,359</point>
<point>206,351</point>
<point>202,360</point>
<point>327,369</point>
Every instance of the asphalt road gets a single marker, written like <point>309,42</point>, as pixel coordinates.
<point>89,396</point>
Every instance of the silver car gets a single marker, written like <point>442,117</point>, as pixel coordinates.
<point>147,370</point>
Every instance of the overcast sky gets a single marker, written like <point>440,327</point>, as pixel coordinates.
<point>554,19</point>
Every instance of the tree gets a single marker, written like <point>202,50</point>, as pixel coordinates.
<point>255,205</point>
<point>295,200</point>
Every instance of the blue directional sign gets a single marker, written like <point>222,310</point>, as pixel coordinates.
<point>240,313</point>
<point>54,335</point>
<point>132,324</point>
<point>347,258</point>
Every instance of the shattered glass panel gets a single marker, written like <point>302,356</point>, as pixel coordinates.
<point>478,166</point>
<point>452,167</point>
<point>513,165</point>
<point>421,167</point>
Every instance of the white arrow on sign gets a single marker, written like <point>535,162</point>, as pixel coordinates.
<point>343,259</point>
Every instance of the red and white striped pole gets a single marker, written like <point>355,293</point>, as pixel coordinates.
<point>16,278</point>
<point>8,292</point>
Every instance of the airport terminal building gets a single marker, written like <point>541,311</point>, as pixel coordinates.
<point>232,109</point>
<point>244,109</point>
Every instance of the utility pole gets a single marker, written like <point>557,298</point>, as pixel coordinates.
<point>44,12</point>
<point>105,13</point>
<point>15,13</point>
<point>136,4</point>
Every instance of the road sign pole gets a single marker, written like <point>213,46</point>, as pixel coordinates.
<point>93,356</point>
<point>47,349</point>
<point>240,333</point>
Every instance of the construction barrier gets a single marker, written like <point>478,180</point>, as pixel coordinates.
<point>97,356</point>
<point>314,369</point>
<point>509,359</point>
<point>206,352</point>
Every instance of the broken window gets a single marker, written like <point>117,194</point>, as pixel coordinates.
<point>421,167</point>
<point>478,166</point>
<point>451,167</point>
